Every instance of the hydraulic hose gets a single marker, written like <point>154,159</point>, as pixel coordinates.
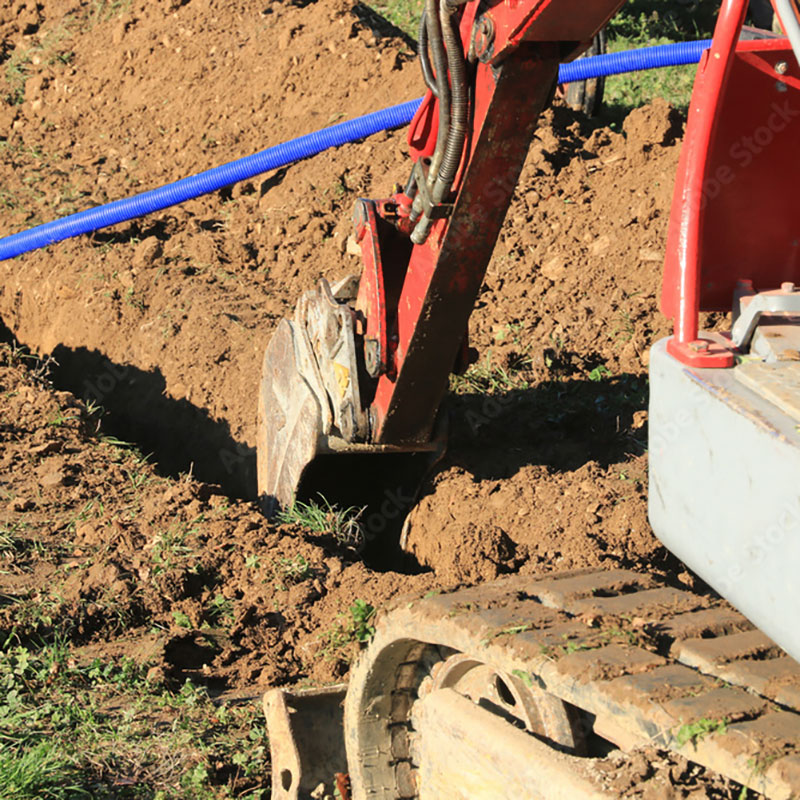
<point>454,144</point>
<point>434,24</point>
<point>458,108</point>
<point>424,55</point>
<point>309,145</point>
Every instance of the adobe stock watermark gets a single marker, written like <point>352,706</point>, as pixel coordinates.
<point>762,545</point>
<point>102,384</point>
<point>743,153</point>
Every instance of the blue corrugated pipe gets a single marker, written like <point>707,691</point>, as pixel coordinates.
<point>309,145</point>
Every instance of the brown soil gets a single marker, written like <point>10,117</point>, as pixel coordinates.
<point>102,549</point>
<point>163,323</point>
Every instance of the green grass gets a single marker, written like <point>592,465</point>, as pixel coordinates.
<point>645,23</point>
<point>697,730</point>
<point>340,523</point>
<point>290,571</point>
<point>102,730</point>
<point>352,629</point>
<point>16,75</point>
<point>404,14</point>
<point>104,10</point>
<point>486,377</point>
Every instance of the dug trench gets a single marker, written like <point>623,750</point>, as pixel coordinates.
<point>162,322</point>
<point>156,331</point>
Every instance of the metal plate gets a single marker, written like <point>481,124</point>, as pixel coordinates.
<point>289,422</point>
<point>778,383</point>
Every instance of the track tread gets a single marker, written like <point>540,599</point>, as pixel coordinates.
<point>558,592</point>
<point>612,642</point>
<point>649,604</point>
<point>721,703</point>
<point>715,621</point>
<point>708,654</point>
<point>667,682</point>
<point>608,662</point>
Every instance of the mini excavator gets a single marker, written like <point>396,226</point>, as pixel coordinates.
<point>507,689</point>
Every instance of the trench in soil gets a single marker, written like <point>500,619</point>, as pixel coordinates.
<point>178,436</point>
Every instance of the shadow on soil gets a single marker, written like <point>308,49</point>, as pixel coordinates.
<point>561,424</point>
<point>6,336</point>
<point>181,437</point>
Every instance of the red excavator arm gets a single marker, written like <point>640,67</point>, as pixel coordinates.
<point>362,371</point>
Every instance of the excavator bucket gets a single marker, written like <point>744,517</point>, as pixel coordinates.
<point>313,428</point>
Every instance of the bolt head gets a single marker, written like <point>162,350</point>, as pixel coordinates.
<point>787,286</point>
<point>781,67</point>
<point>484,37</point>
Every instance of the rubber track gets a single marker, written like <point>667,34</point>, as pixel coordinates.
<point>649,661</point>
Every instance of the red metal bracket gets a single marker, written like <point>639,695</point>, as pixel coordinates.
<point>371,300</point>
<point>701,352</point>
<point>734,206</point>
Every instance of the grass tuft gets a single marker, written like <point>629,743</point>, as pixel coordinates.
<point>695,731</point>
<point>341,523</point>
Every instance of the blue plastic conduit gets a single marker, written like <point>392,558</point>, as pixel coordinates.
<point>309,145</point>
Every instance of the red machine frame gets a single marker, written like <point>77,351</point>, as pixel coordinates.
<point>734,211</point>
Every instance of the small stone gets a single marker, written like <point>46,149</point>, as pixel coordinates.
<point>20,504</point>
<point>8,115</point>
<point>125,277</point>
<point>555,269</point>
<point>647,254</point>
<point>334,566</point>
<point>146,252</point>
<point>600,245</point>
<point>52,479</point>
<point>155,675</point>
<point>47,447</point>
